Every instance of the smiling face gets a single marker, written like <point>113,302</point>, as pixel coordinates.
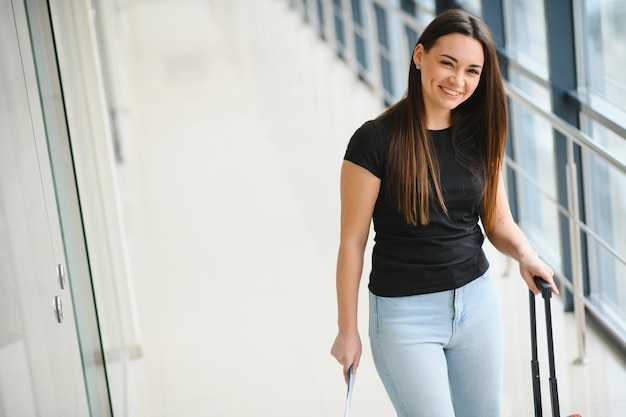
<point>450,72</point>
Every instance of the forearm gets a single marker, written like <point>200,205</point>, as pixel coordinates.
<point>508,238</point>
<point>349,270</point>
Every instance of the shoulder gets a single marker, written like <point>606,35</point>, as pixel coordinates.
<point>375,132</point>
<point>369,146</point>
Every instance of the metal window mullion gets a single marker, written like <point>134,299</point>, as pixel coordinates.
<point>514,166</point>
<point>562,61</point>
<point>576,250</point>
<point>566,128</point>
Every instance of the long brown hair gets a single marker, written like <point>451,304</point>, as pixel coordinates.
<point>479,126</point>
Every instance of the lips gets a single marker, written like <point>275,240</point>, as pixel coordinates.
<point>451,92</point>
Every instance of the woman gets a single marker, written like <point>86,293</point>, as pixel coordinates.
<point>427,171</point>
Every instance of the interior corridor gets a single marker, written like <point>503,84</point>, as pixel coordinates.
<point>239,120</point>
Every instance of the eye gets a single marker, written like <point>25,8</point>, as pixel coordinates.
<point>474,72</point>
<point>447,63</point>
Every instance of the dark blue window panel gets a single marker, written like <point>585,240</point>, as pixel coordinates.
<point>305,7</point>
<point>340,35</point>
<point>339,31</point>
<point>408,6</point>
<point>381,23</point>
<point>411,39</point>
<point>320,18</point>
<point>357,14</point>
<point>361,56</point>
<point>385,69</point>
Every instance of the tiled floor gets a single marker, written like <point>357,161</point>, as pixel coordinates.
<point>239,120</point>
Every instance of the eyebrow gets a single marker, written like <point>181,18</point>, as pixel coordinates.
<point>450,57</point>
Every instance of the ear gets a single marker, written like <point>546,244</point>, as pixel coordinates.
<point>418,54</point>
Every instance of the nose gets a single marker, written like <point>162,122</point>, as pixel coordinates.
<point>457,79</point>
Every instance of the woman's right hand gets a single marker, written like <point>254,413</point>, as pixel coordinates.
<point>347,350</point>
<point>359,192</point>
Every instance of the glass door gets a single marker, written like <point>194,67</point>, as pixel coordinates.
<point>50,350</point>
<point>41,372</point>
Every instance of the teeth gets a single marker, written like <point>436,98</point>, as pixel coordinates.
<point>451,92</point>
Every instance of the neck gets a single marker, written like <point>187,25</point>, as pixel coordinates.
<point>438,120</point>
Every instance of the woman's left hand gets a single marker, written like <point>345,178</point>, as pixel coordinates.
<point>531,266</point>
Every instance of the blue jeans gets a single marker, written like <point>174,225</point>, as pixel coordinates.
<point>440,354</point>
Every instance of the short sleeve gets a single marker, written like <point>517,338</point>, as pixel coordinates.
<point>368,149</point>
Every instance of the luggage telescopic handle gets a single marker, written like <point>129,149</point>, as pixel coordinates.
<point>544,287</point>
<point>546,293</point>
<point>534,363</point>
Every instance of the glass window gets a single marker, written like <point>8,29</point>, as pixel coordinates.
<point>605,205</point>
<point>411,39</point>
<point>423,14</point>
<point>424,17</point>
<point>428,5</point>
<point>604,37</point>
<point>360,37</point>
<point>339,27</point>
<point>603,80</point>
<point>533,150</point>
<point>408,6</point>
<point>417,7</point>
<point>532,136</point>
<point>526,35</point>
<point>357,13</point>
<point>473,6</point>
<point>385,52</point>
<point>320,19</point>
<point>305,10</point>
<point>381,22</point>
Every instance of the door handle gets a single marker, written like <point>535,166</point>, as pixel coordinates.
<point>58,309</point>
<point>61,276</point>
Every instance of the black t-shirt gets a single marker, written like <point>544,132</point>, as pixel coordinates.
<point>442,255</point>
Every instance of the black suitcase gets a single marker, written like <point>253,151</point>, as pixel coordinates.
<point>546,293</point>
